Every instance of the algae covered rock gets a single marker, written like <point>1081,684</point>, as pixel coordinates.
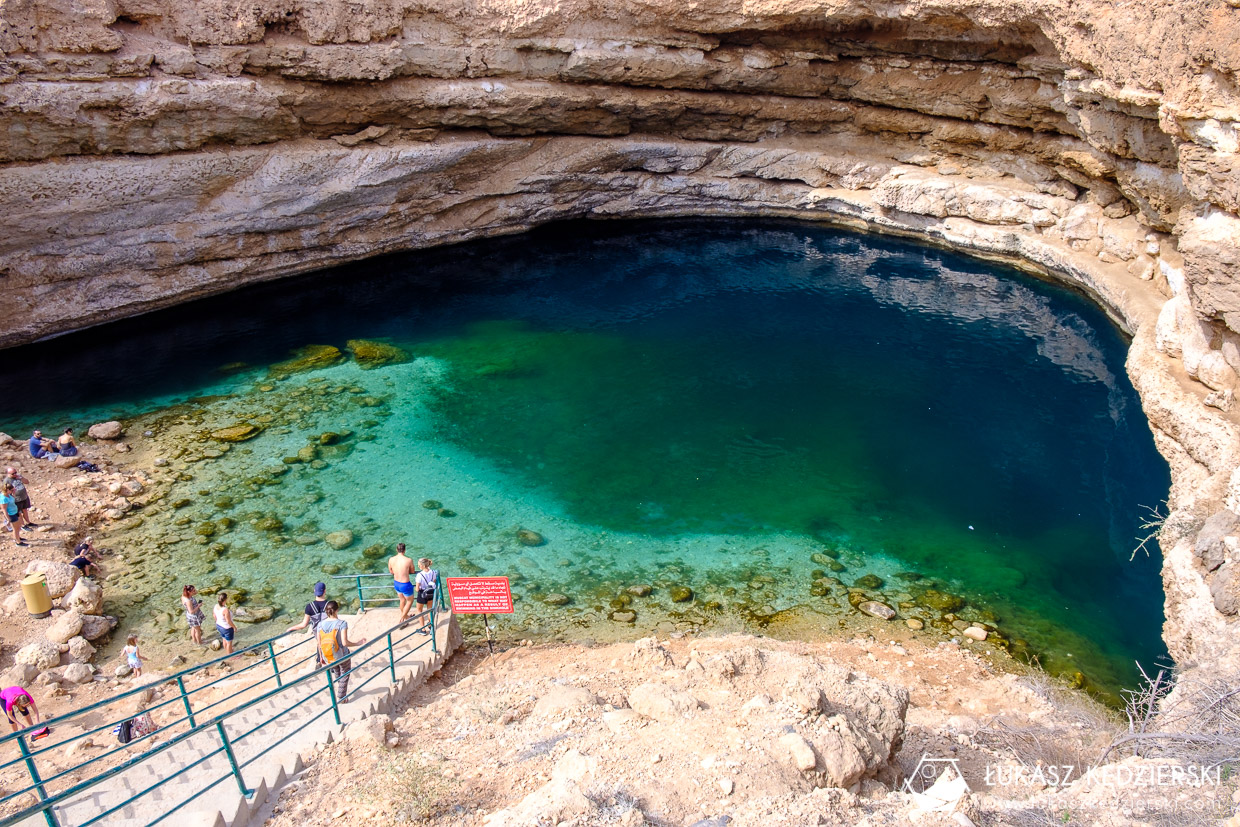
<point>869,581</point>
<point>373,552</point>
<point>557,599</point>
<point>239,432</point>
<point>310,357</point>
<point>340,539</point>
<point>527,537</point>
<point>370,354</point>
<point>680,594</point>
<point>941,601</point>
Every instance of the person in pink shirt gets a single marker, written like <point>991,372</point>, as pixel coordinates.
<point>18,701</point>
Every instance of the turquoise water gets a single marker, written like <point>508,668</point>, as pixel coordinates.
<point>699,404</point>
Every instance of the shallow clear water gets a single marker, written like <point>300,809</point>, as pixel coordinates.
<point>677,403</point>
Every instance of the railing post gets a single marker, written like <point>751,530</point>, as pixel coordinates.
<point>232,760</point>
<point>271,650</point>
<point>48,812</point>
<point>189,712</point>
<point>434,644</point>
<point>331,693</point>
<point>361,601</point>
<point>391,657</point>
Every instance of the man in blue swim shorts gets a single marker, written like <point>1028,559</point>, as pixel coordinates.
<point>401,566</point>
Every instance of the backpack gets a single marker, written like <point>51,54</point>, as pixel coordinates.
<point>330,647</point>
<point>124,732</point>
<point>316,617</point>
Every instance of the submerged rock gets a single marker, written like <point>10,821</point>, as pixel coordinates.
<point>640,590</point>
<point>680,594</point>
<point>941,601</point>
<point>624,616</point>
<point>310,357</point>
<point>340,539</point>
<point>557,599</point>
<point>371,354</point>
<point>446,512</point>
<point>869,581</point>
<point>432,505</point>
<point>526,537</point>
<point>239,432</point>
<point>376,551</point>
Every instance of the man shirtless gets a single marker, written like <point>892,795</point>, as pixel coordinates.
<point>401,566</point>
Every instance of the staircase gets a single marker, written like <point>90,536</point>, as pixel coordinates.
<point>231,743</point>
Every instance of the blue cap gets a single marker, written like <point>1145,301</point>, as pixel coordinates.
<point>320,589</point>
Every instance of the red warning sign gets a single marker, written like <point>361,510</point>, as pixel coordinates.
<point>480,595</point>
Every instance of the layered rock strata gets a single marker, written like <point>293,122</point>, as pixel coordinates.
<point>154,151</point>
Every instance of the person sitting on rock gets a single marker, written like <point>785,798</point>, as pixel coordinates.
<point>18,701</point>
<point>66,444</point>
<point>41,448</point>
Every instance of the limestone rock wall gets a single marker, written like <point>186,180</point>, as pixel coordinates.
<point>152,151</point>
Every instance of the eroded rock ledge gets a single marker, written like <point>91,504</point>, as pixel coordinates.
<point>152,152</point>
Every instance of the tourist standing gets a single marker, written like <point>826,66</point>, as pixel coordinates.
<point>13,517</point>
<point>400,567</point>
<point>20,493</point>
<point>224,622</point>
<point>426,580</point>
<point>334,643</point>
<point>132,656</point>
<point>193,612</point>
<point>316,611</point>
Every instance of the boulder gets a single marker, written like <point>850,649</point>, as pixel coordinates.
<point>1215,373</point>
<point>14,603</point>
<point>239,432</point>
<point>79,673</point>
<point>339,539</point>
<point>662,702</point>
<point>255,613</point>
<point>105,430</point>
<point>22,674</point>
<point>371,354</point>
<point>80,650</point>
<point>68,462</point>
<point>41,654</point>
<point>526,537</point>
<point>132,488</point>
<point>557,599</point>
<point>60,576</point>
<point>875,609</point>
<point>976,633</point>
<point>86,597</point>
<point>372,727</point>
<point>799,752</point>
<point>96,626</point>
<point>561,698</point>
<point>1225,588</point>
<point>65,627</point>
<point>1210,547</point>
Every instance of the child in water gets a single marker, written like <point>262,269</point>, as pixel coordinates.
<point>132,655</point>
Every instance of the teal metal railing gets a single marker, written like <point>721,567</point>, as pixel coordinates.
<point>362,600</point>
<point>57,787</point>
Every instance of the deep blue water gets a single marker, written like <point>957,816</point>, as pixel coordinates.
<point>687,384</point>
